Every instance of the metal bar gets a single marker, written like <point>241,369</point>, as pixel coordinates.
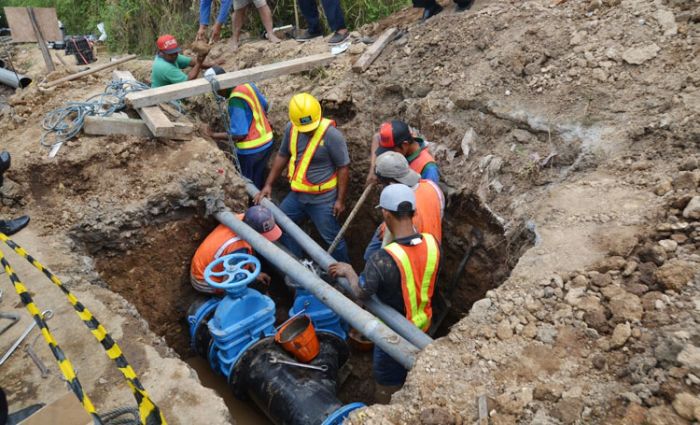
<point>14,80</point>
<point>388,315</point>
<point>389,341</point>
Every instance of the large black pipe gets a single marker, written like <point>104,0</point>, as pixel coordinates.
<point>290,395</point>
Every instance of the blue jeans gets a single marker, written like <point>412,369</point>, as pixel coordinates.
<point>253,166</point>
<point>375,244</point>
<point>387,371</point>
<point>322,217</point>
<point>332,9</point>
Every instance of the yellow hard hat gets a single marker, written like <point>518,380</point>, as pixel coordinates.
<point>304,112</point>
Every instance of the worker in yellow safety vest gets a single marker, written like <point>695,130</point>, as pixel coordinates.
<point>316,155</point>
<point>248,126</point>
<point>402,275</point>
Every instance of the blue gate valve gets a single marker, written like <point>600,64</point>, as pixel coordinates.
<point>235,277</point>
<point>243,316</point>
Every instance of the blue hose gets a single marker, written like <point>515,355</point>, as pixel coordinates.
<point>65,123</point>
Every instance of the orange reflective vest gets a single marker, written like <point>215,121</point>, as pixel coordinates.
<point>297,169</point>
<point>221,241</point>
<point>260,131</point>
<point>424,158</point>
<point>430,205</point>
<point>419,269</point>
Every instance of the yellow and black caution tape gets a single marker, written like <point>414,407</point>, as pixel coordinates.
<point>148,411</point>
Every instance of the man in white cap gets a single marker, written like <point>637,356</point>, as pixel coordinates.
<point>392,168</point>
<point>402,275</point>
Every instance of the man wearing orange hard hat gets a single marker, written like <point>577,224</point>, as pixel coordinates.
<point>317,158</point>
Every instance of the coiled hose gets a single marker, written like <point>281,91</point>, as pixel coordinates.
<point>64,123</point>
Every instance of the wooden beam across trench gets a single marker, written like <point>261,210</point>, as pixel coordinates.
<point>145,98</point>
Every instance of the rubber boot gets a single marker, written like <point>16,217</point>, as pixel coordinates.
<point>431,11</point>
<point>383,393</point>
<point>10,227</point>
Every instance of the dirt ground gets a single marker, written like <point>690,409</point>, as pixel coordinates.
<point>567,136</point>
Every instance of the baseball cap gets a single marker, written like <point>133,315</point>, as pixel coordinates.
<point>167,44</point>
<point>397,198</point>
<point>393,165</point>
<point>260,218</point>
<point>392,134</point>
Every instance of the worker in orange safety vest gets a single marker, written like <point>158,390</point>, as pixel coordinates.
<point>397,136</point>
<point>223,241</point>
<point>392,168</point>
<point>249,127</point>
<point>402,275</point>
<point>317,160</point>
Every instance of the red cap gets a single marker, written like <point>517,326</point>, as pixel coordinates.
<point>167,44</point>
<point>393,133</point>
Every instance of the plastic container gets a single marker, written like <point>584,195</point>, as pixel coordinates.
<point>298,338</point>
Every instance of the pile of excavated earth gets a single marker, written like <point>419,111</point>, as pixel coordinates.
<point>567,133</point>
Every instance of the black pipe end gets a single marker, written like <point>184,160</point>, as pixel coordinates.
<point>24,82</point>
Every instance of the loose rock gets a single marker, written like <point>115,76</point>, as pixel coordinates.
<point>620,335</point>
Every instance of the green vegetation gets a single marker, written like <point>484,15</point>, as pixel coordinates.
<point>133,25</point>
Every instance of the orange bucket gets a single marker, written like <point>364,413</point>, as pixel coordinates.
<point>298,337</point>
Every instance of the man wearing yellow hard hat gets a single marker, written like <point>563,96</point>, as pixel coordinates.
<point>316,155</point>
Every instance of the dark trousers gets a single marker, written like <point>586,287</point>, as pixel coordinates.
<point>332,9</point>
<point>387,371</point>
<point>427,4</point>
<point>253,166</point>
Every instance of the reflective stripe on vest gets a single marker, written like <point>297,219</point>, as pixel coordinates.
<point>225,245</point>
<point>418,265</point>
<point>260,131</point>
<point>297,169</point>
<point>424,158</point>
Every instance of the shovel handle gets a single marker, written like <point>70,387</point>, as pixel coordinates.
<point>352,215</point>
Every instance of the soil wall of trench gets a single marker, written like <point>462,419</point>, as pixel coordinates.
<point>563,141</point>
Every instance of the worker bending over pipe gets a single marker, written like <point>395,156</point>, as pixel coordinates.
<point>402,274</point>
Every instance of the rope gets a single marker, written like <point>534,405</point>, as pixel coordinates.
<point>149,412</point>
<point>114,417</point>
<point>65,123</point>
<point>220,100</point>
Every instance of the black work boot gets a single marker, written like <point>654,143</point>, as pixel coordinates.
<point>431,11</point>
<point>10,227</point>
<point>463,5</point>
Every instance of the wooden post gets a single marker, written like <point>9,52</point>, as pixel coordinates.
<point>90,71</point>
<point>191,88</point>
<point>374,50</point>
<point>42,43</point>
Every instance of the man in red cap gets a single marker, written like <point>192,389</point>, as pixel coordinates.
<point>223,241</point>
<point>169,63</point>
<point>397,136</point>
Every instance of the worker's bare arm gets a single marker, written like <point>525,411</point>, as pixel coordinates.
<point>371,176</point>
<point>345,270</point>
<point>277,166</point>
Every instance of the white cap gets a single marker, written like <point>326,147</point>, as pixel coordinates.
<point>397,198</point>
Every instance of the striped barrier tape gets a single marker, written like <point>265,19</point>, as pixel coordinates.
<point>148,411</point>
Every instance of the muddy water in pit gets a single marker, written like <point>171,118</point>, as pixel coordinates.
<point>243,413</point>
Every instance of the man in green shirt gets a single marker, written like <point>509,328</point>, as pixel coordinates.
<point>169,63</point>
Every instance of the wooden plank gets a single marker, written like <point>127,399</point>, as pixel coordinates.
<point>67,410</point>
<point>231,79</point>
<point>374,50</point>
<point>105,126</point>
<point>41,41</point>
<point>90,71</point>
<point>161,126</point>
<point>21,26</point>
